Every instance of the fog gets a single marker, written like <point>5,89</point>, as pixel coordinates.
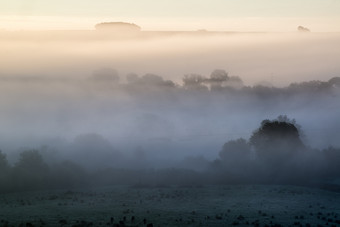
<point>155,101</point>
<point>278,58</point>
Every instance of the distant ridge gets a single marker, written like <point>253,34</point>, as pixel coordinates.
<point>117,26</point>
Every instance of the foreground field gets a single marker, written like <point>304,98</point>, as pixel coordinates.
<point>252,205</point>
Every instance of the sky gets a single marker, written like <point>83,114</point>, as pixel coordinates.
<point>239,15</point>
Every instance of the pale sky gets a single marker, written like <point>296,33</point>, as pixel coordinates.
<point>241,15</point>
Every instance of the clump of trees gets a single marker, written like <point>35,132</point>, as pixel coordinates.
<point>302,29</point>
<point>276,153</point>
<point>4,170</point>
<point>31,172</point>
<point>276,138</point>
<point>218,80</point>
<point>279,138</point>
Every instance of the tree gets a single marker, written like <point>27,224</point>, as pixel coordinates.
<point>278,146</point>
<point>235,149</point>
<point>31,161</point>
<point>303,29</point>
<point>277,139</point>
<point>234,82</point>
<point>155,80</point>
<point>235,160</point>
<point>335,82</point>
<point>194,82</point>
<point>313,86</point>
<point>4,172</point>
<point>30,172</point>
<point>3,163</point>
<point>193,79</point>
<point>217,77</point>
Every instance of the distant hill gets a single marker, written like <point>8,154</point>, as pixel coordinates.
<point>118,27</point>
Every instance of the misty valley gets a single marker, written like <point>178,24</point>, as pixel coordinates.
<point>169,128</point>
<point>113,150</point>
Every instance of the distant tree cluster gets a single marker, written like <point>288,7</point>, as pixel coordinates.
<point>149,80</point>
<point>31,172</point>
<point>275,153</point>
<point>303,29</point>
<point>218,82</point>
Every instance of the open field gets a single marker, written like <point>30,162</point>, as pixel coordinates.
<point>238,205</point>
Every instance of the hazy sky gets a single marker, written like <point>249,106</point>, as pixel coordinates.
<point>258,15</point>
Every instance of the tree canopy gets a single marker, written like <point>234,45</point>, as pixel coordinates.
<point>277,137</point>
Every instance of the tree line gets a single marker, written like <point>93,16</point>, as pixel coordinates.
<point>275,153</point>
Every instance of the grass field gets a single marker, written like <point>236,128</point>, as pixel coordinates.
<point>238,205</point>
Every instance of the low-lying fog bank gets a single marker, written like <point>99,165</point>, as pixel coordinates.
<point>149,130</point>
<point>64,123</point>
<point>277,58</point>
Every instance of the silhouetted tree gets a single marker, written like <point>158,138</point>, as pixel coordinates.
<point>234,82</point>
<point>4,172</point>
<point>235,150</point>
<point>30,172</point>
<point>217,77</point>
<point>335,82</point>
<point>155,80</point>
<point>279,150</point>
<point>276,139</point>
<point>313,86</point>
<point>236,160</point>
<point>194,82</point>
<point>285,118</point>
<point>193,79</point>
<point>3,162</point>
<point>31,161</point>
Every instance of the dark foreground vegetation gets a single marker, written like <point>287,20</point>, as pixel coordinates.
<point>228,205</point>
